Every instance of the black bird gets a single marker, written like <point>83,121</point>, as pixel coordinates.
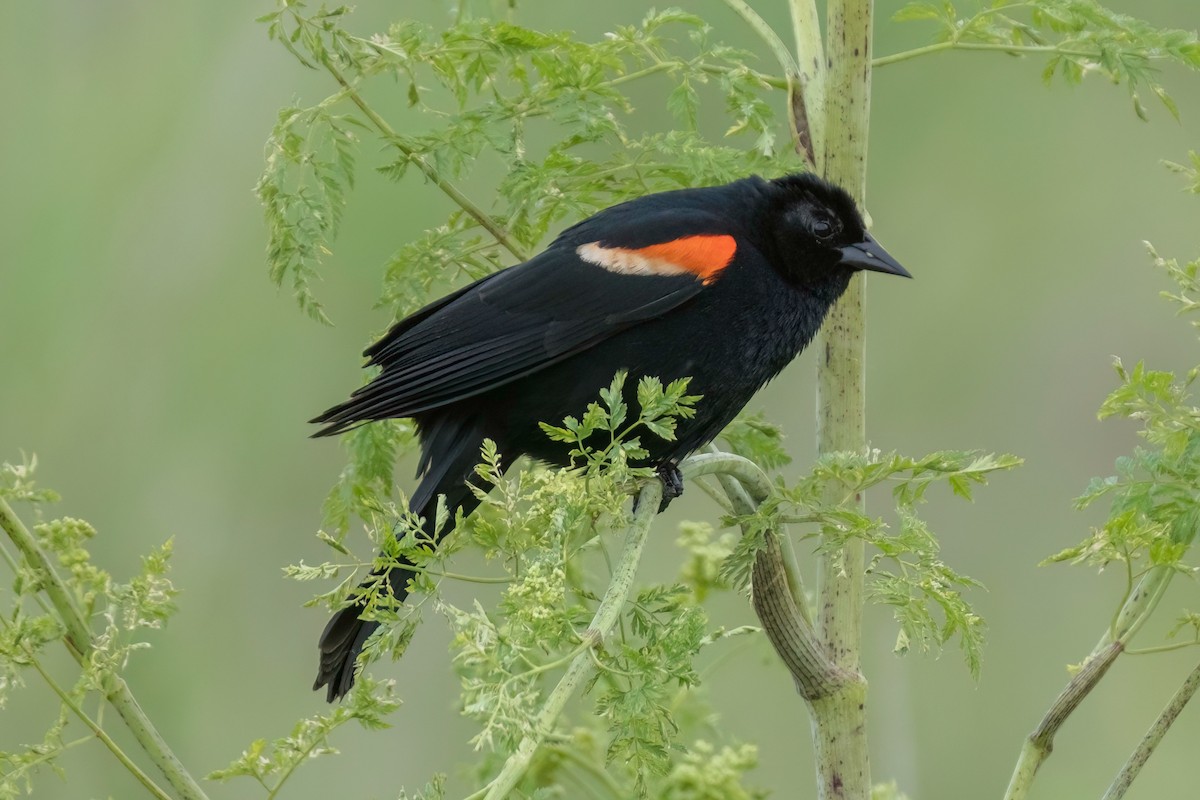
<point>725,285</point>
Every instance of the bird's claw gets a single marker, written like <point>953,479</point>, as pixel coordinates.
<point>672,481</point>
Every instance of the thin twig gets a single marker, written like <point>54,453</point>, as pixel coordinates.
<point>777,593</point>
<point>79,642</point>
<point>1014,49</point>
<point>91,724</point>
<point>582,666</point>
<point>1154,735</point>
<point>1137,607</point>
<point>450,190</point>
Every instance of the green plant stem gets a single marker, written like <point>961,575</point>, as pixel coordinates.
<point>78,634</point>
<point>768,36</point>
<point>91,724</point>
<point>1129,771</point>
<point>774,81</point>
<point>778,595</point>
<point>993,47</point>
<point>719,463</point>
<point>740,478</point>
<point>1039,744</point>
<point>582,666</point>
<point>1138,606</point>
<point>79,643</point>
<point>1162,648</point>
<point>841,389</point>
<point>839,724</point>
<point>808,100</point>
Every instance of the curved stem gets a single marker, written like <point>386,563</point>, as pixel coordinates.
<point>717,462</point>
<point>735,474</point>
<point>582,666</point>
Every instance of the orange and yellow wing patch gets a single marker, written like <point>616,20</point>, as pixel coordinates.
<point>702,256</point>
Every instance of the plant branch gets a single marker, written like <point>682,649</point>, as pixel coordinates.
<point>450,190</point>
<point>79,637</point>
<point>768,35</point>
<point>582,666</point>
<point>79,642</point>
<point>1012,49</point>
<point>808,97</point>
<point>95,728</point>
<point>1129,771</point>
<point>743,503</point>
<point>774,81</point>
<point>775,581</point>
<point>1135,610</point>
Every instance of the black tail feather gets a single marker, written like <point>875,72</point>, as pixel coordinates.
<point>451,450</point>
<point>343,640</point>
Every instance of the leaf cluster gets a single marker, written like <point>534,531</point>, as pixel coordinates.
<point>549,529</point>
<point>1154,510</point>
<point>271,764</point>
<point>905,571</point>
<point>552,110</point>
<point>28,627</point>
<point>661,408</point>
<point>1078,37</point>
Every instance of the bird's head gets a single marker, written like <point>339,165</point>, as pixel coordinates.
<point>818,234</point>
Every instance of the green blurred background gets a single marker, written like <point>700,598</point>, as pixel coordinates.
<point>164,383</point>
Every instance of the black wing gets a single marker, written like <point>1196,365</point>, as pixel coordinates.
<point>518,321</point>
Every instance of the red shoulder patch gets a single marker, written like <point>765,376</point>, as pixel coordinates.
<point>703,256</point>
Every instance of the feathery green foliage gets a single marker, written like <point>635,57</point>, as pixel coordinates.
<point>1153,509</point>
<point>54,561</point>
<point>550,119</point>
<point>1078,38</point>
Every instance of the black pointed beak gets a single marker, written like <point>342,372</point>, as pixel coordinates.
<point>868,255</point>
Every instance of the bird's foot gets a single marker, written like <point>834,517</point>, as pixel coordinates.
<point>672,481</point>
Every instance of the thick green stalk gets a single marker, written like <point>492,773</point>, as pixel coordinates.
<point>839,721</point>
<point>79,642</point>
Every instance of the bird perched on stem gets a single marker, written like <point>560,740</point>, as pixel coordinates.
<point>725,285</point>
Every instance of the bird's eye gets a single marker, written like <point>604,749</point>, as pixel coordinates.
<point>823,229</point>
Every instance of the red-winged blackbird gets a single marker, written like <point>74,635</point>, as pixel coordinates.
<point>725,285</point>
